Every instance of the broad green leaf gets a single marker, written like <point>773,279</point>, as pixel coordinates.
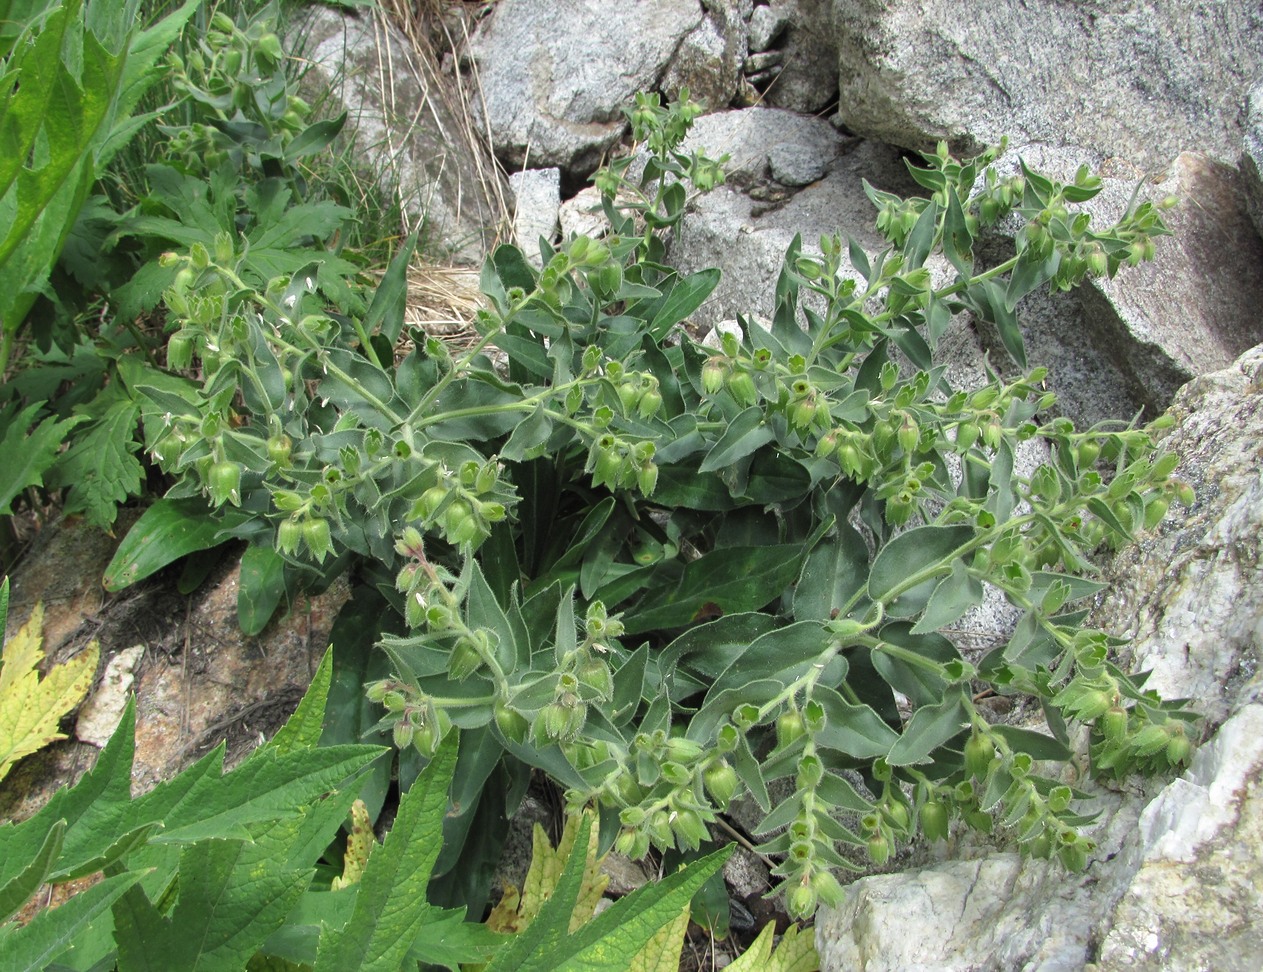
<point>688,294</point>
<point>958,242</point>
<point>987,298</point>
<point>921,240</point>
<point>707,649</point>
<point>390,906</point>
<point>31,947</point>
<point>385,313</point>
<point>745,433</point>
<point>730,580</point>
<point>1037,744</point>
<point>261,587</point>
<point>795,953</point>
<point>912,552</point>
<point>167,531</point>
<point>956,594</point>
<point>930,727</point>
<point>1031,272</point>
<point>921,685</point>
<point>31,707</point>
<point>832,573</point>
<point>856,730</point>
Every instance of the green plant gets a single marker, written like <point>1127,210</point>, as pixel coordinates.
<point>216,870</point>
<point>667,574</point>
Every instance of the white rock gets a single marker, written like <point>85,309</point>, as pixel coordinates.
<point>100,714</point>
<point>537,201</point>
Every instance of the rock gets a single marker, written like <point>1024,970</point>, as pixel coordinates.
<point>537,200</point>
<point>1174,883</point>
<point>408,126</point>
<point>1144,81</point>
<point>808,80</point>
<point>746,238</point>
<point>103,710</point>
<point>199,682</point>
<point>556,75</point>
<point>1116,346</point>
<point>795,165</point>
<point>766,26</point>
<point>710,57</point>
<point>1252,156</point>
<point>581,214</point>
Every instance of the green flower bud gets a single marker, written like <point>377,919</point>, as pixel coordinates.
<point>934,820</point>
<point>879,849</point>
<point>789,728</point>
<point>908,435</point>
<point>279,449</point>
<point>511,723</point>
<point>464,660</point>
<point>316,536</point>
<point>801,901</point>
<point>979,753</point>
<point>224,480</point>
<point>741,387</point>
<point>721,782</point>
<point>1179,747</point>
<point>179,350</point>
<point>1112,724</point>
<point>712,377</point>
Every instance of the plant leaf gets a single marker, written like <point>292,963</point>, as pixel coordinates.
<point>795,953</point>
<point>167,531</point>
<point>929,728</point>
<point>31,707</point>
<point>910,553</point>
<point>28,457</point>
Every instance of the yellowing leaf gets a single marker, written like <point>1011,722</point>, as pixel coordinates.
<point>662,952</point>
<point>515,911</point>
<point>359,844</point>
<point>30,708</point>
<point>796,953</point>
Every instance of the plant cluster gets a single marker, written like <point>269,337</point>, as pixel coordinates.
<point>228,871</point>
<point>668,574</point>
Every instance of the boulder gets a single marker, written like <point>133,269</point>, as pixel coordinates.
<point>536,201</point>
<point>409,127</point>
<point>710,56</point>
<point>1174,882</point>
<point>1144,81</point>
<point>1252,156</point>
<point>807,80</point>
<point>557,74</point>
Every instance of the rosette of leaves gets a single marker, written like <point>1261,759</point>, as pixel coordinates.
<point>668,574</point>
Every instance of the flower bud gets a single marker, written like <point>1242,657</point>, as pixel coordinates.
<point>800,902</point>
<point>712,377</point>
<point>979,753</point>
<point>224,480</point>
<point>741,387</point>
<point>289,533</point>
<point>721,782</point>
<point>316,536</point>
<point>934,820</point>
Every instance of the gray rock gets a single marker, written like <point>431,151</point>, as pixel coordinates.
<point>556,74</point>
<point>766,26</point>
<point>406,123</point>
<point>1252,156</point>
<point>1144,81</point>
<point>709,58</point>
<point>537,199</point>
<point>1175,881</point>
<point>792,164</point>
<point>808,81</point>
<point>1116,346</point>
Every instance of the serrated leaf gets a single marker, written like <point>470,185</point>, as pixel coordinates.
<point>231,897</point>
<point>15,892</point>
<point>795,953</point>
<point>28,457</point>
<point>101,468</point>
<point>31,707</point>
<point>391,907</point>
<point>516,910</point>
<point>31,947</point>
<point>662,952</point>
<point>302,729</point>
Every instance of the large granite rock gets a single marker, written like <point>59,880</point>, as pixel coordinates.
<point>1140,80</point>
<point>1252,156</point>
<point>710,57</point>
<point>556,74</point>
<point>407,125</point>
<point>1174,883</point>
<point>807,80</point>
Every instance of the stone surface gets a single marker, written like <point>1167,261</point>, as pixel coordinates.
<point>1252,156</point>
<point>766,26</point>
<point>1144,81</point>
<point>199,682</point>
<point>556,74</point>
<point>795,165</point>
<point>406,124</point>
<point>808,80</point>
<point>536,202</point>
<point>1175,880</point>
<point>709,59</point>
